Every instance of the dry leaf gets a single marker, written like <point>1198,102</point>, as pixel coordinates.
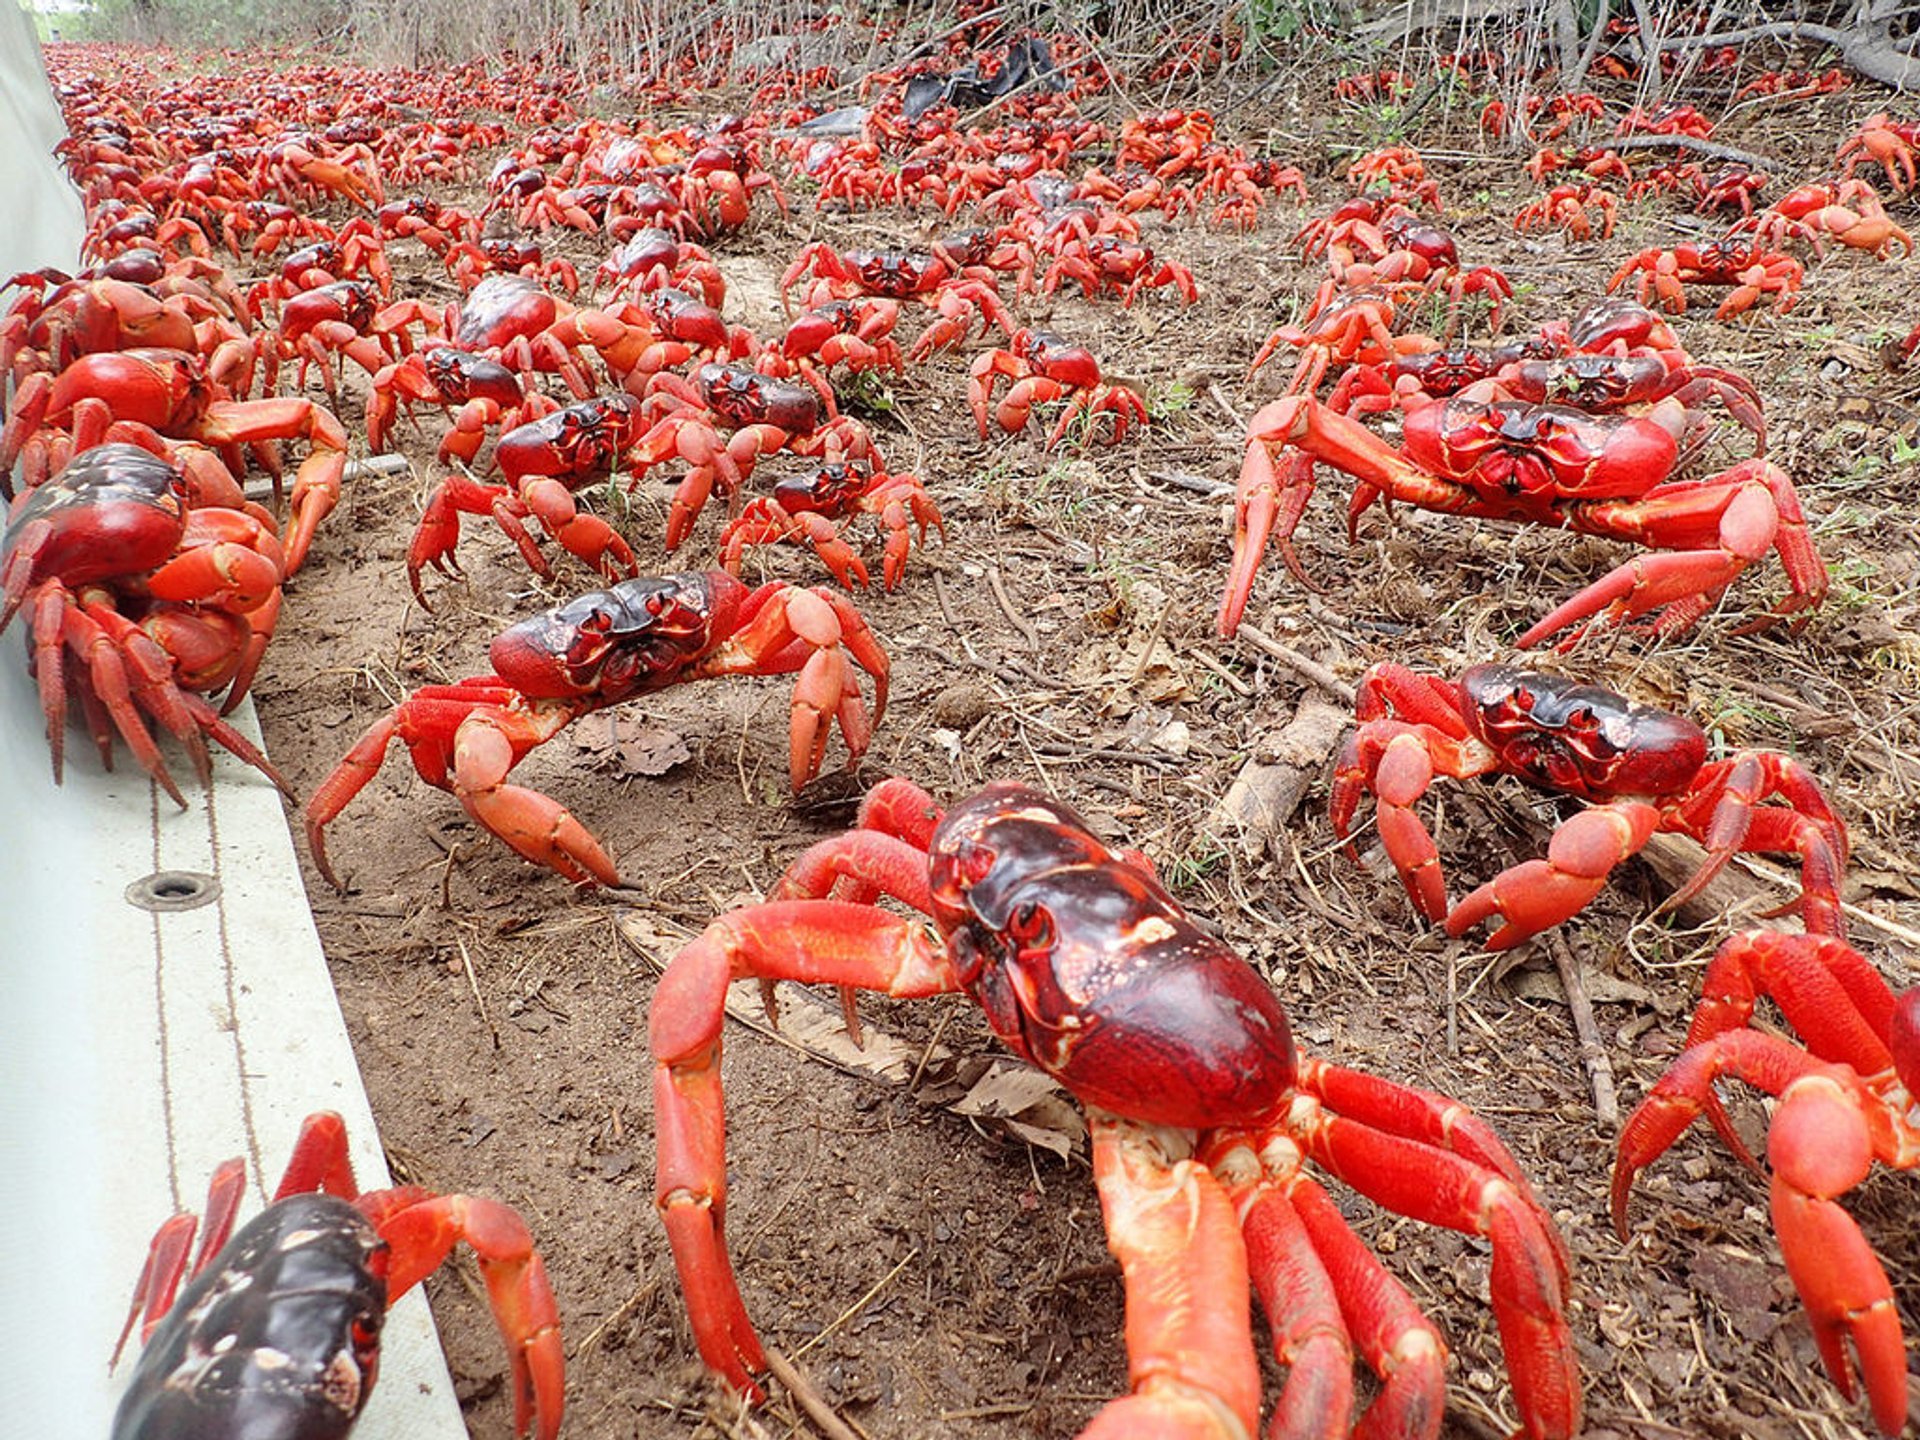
<point>1029,1103</point>
<point>629,748</point>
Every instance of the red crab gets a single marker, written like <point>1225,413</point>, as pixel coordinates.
<point>1347,326</point>
<point>1749,267</point>
<point>434,225</point>
<point>1115,265</point>
<point>278,1330</point>
<point>804,507</point>
<point>348,253</point>
<point>543,461</point>
<point>1894,145</point>
<point>49,331</point>
<point>468,261</point>
<point>1203,1117</point>
<point>655,259</point>
<point>1847,1097</point>
<point>1547,464</point>
<point>170,393</point>
<point>765,414</point>
<point>484,391</point>
<point>1849,212</point>
<point>157,603</point>
<point>1041,366</point>
<point>344,318</point>
<point>1571,208</point>
<point>643,635</point>
<point>956,296</point>
<point>854,333</point>
<point>1643,770</point>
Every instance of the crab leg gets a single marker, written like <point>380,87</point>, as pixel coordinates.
<point>1190,1358</point>
<point>1821,1143</point>
<point>1537,895</point>
<point>166,1262</point>
<point>1745,512</point>
<point>1447,1186</point>
<point>817,941</point>
<point>423,1229</point>
<point>534,825</point>
<point>1301,423</point>
<point>1299,1296</point>
<point>1823,986</point>
<point>787,630</point>
<point>1397,762</point>
<point>769,525</point>
<point>1728,817</point>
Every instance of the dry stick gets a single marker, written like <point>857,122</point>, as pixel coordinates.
<point>473,984</point>
<point>1018,621</point>
<point>1593,1054</point>
<point>1302,666</point>
<point>1705,148</point>
<point>810,1399</point>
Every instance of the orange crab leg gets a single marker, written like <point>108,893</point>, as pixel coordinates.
<point>1822,1143</point>
<point>1300,1297</point>
<point>787,630</point>
<point>536,826</point>
<point>423,1229</point>
<point>1537,895</point>
<point>1397,761</point>
<point>1745,512</point>
<point>816,941</point>
<point>1190,1358</point>
<point>1442,1186</point>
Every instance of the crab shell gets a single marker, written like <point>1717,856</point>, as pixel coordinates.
<point>1087,967</point>
<point>1579,739</point>
<point>277,1339</point>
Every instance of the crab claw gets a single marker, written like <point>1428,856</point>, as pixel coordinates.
<point>1820,1147</point>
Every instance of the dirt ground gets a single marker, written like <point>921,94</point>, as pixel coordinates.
<point>935,1273</point>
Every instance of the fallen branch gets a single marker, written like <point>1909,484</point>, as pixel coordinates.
<point>1706,149</point>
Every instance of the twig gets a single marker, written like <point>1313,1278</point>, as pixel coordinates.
<point>1198,484</point>
<point>1707,148</point>
<point>1593,1054</point>
<point>810,1399</point>
<point>619,1312</point>
<point>473,984</point>
<point>1018,621</point>
<point>1153,643</point>
<point>1220,399</point>
<point>1233,681</point>
<point>853,1311</point>
<point>1307,669</point>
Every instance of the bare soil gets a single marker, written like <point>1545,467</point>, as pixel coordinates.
<point>935,1273</point>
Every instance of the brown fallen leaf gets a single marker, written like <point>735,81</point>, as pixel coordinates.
<point>628,747</point>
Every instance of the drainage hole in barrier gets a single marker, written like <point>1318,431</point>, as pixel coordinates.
<point>169,890</point>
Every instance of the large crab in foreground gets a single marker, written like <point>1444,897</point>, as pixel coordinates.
<point>1551,465</point>
<point>643,635</point>
<point>158,596</point>
<point>1642,770</point>
<point>1203,1118</point>
<point>1848,1095</point>
<point>277,1334</point>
